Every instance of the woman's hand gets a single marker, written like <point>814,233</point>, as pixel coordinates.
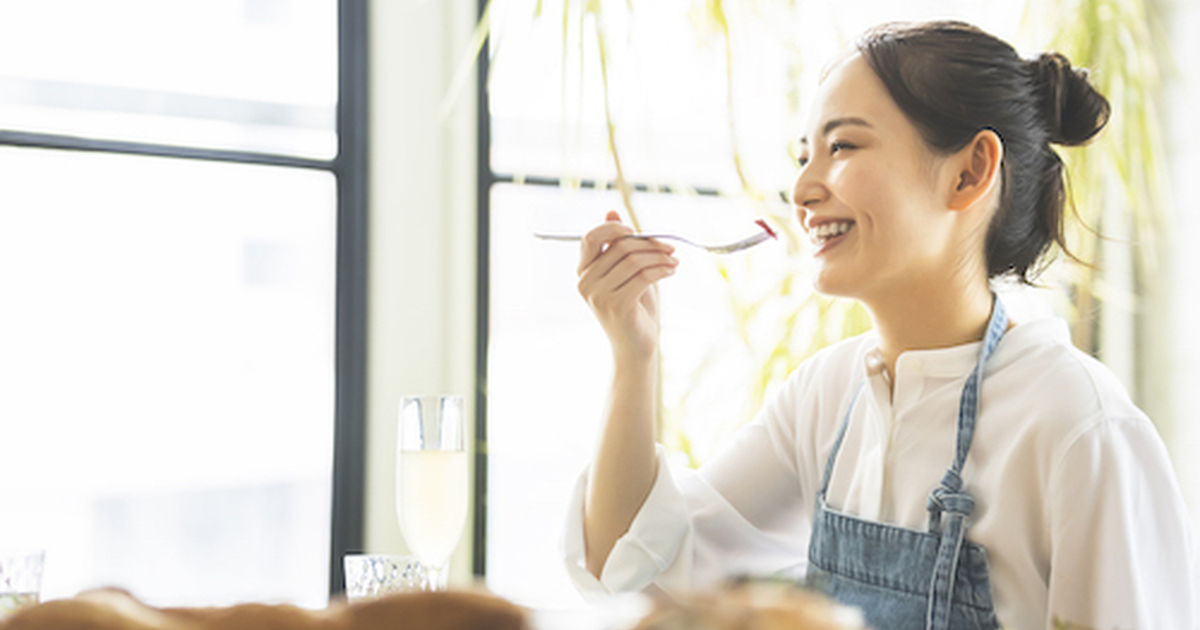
<point>615,277</point>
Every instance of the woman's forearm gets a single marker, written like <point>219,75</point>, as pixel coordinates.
<point>625,465</point>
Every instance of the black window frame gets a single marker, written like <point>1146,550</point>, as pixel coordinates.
<point>349,169</point>
<point>485,178</point>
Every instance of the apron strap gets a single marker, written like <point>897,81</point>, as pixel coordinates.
<point>837,444</point>
<point>948,498</point>
<point>945,570</point>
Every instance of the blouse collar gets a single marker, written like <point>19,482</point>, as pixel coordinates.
<point>958,361</point>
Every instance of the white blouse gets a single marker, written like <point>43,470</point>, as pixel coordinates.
<point>1075,498</point>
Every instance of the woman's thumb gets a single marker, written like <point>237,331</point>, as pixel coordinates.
<point>612,216</point>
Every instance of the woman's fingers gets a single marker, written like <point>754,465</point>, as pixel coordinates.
<point>621,261</point>
<point>614,288</point>
<point>615,274</point>
<point>598,240</point>
<point>626,249</point>
<point>634,287</point>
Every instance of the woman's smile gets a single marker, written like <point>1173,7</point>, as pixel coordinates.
<point>828,234</point>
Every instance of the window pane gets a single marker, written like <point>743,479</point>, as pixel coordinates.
<point>166,359</point>
<point>257,75</point>
<point>543,411</point>
<point>669,108</point>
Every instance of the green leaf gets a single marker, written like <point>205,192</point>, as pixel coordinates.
<point>462,75</point>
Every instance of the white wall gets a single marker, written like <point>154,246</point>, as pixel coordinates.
<point>422,236</point>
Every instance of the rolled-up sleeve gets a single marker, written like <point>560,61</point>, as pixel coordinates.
<point>650,549</point>
<point>743,513</point>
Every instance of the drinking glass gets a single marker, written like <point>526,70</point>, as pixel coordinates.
<point>20,580</point>
<point>376,575</point>
<point>431,480</point>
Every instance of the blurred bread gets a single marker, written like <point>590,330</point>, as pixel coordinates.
<point>453,610</point>
<point>747,607</point>
<point>118,610</point>
<point>753,607</point>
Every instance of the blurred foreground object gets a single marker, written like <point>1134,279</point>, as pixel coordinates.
<point>20,580</point>
<point>118,610</point>
<point>754,607</point>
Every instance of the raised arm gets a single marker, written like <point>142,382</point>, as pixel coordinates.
<point>616,276</point>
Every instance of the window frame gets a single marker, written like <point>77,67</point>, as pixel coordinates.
<point>485,179</point>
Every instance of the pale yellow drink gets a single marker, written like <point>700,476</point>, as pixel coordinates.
<point>431,502</point>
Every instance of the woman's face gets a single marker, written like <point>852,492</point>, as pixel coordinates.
<point>870,192</point>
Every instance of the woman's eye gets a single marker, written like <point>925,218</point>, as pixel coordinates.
<point>802,160</point>
<point>838,146</point>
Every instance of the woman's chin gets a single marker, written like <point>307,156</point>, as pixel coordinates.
<point>828,282</point>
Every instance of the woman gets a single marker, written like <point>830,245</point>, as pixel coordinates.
<point>951,469</point>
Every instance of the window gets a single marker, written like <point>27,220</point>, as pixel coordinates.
<point>176,349</point>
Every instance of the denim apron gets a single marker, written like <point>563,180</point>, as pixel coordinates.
<point>904,579</point>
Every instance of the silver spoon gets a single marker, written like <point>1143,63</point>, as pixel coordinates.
<point>729,248</point>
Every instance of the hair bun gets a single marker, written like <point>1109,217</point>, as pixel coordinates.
<point>1073,110</point>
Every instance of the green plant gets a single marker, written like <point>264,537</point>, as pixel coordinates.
<point>1117,182</point>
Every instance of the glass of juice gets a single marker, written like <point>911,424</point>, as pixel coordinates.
<point>432,480</point>
<point>20,580</point>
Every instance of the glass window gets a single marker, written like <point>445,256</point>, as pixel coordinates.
<point>251,75</point>
<point>167,368</point>
<point>167,348</point>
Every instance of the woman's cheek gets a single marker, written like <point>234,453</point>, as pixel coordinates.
<point>841,176</point>
<point>855,183</point>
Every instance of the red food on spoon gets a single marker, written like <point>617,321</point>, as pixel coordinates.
<point>766,227</point>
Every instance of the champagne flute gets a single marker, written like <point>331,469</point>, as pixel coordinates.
<point>431,481</point>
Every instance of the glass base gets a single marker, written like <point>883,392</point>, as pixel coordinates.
<point>376,575</point>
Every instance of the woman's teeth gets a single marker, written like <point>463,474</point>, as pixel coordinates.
<point>826,231</point>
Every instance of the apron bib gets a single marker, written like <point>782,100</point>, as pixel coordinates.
<point>904,579</point>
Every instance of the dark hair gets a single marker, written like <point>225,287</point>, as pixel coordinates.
<point>953,80</point>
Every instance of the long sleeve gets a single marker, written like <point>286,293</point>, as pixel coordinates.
<point>742,513</point>
<point>1122,550</point>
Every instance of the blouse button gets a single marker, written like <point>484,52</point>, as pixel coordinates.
<point>874,361</point>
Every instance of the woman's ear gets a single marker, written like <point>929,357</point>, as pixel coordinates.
<point>977,167</point>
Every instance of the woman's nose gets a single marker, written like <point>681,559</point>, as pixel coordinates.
<point>808,188</point>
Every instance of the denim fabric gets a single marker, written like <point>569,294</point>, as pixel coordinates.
<point>903,579</point>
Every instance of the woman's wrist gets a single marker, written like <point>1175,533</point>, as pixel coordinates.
<point>635,359</point>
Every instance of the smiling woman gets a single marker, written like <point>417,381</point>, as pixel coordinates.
<point>953,468</point>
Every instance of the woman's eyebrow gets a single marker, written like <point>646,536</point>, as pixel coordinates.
<point>838,122</point>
